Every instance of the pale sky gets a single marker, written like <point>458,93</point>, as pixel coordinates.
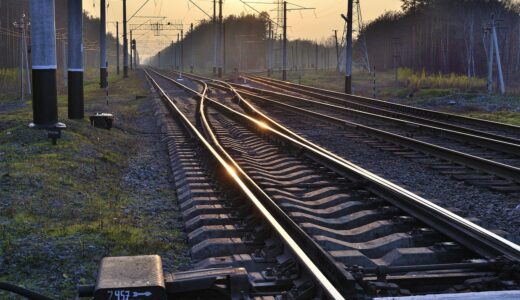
<point>308,24</point>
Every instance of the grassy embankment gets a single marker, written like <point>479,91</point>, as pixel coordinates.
<point>62,207</point>
<point>450,93</point>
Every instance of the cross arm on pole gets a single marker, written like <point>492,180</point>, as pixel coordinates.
<point>138,10</point>
<point>192,2</point>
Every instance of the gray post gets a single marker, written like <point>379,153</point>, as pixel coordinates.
<point>224,48</point>
<point>173,55</point>
<point>117,47</point>
<point>348,56</point>
<point>316,57</point>
<point>215,39</point>
<point>64,62</point>
<point>134,43</point>
<point>131,51</point>
<point>75,60</point>
<point>182,50</point>
<point>191,48</point>
<point>337,49</point>
<point>24,49</point>
<point>219,41</point>
<point>125,43</point>
<point>177,53</point>
<point>499,61</point>
<point>280,50</point>
<point>490,59</point>
<point>43,51</point>
<point>21,26</point>
<point>269,58</point>
<point>103,82</point>
<point>284,44</point>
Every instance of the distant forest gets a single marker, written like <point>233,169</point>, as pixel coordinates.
<point>447,36</point>
<point>245,47</point>
<point>11,11</point>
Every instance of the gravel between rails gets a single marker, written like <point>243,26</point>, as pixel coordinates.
<point>494,211</point>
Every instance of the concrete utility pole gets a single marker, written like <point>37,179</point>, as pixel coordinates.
<point>64,62</point>
<point>296,58</point>
<point>337,49</point>
<point>284,45</point>
<point>174,58</point>
<point>490,61</point>
<point>43,52</point>
<point>224,48</point>
<point>348,56</point>
<point>131,52</point>
<point>269,49</point>
<point>117,47</point>
<point>316,48</point>
<point>182,50</point>
<point>177,62</point>
<point>103,82</point>
<point>499,61</point>
<point>134,47</point>
<point>219,41</point>
<point>191,48</point>
<point>215,38</point>
<point>26,54</point>
<point>125,43</point>
<point>23,57</point>
<point>75,60</point>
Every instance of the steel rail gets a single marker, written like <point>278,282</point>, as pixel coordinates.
<point>385,189</point>
<point>294,245</point>
<point>481,141</point>
<point>472,236</point>
<point>493,167</point>
<point>490,166</point>
<point>474,121</point>
<point>363,103</point>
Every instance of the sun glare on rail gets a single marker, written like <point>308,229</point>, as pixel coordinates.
<point>262,124</point>
<point>231,170</point>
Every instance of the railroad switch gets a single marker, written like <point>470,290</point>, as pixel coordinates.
<point>102,120</point>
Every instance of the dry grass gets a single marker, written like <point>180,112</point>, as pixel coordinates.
<point>423,80</point>
<point>62,207</point>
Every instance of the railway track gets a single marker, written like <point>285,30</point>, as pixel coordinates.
<point>493,130</point>
<point>366,236</point>
<point>474,158</point>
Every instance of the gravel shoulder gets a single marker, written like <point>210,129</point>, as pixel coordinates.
<point>97,193</point>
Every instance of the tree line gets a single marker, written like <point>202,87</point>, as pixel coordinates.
<point>246,45</point>
<point>445,36</point>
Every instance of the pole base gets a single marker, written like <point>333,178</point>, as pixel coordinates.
<point>57,126</point>
<point>284,75</point>
<point>103,78</point>
<point>125,72</point>
<point>219,72</point>
<point>45,97</point>
<point>76,107</point>
<point>348,84</point>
